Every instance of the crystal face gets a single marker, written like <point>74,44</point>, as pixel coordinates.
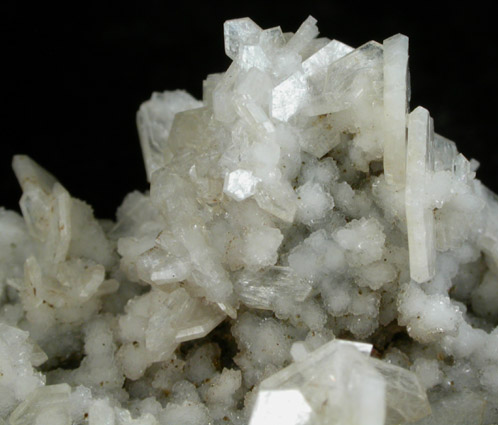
<point>337,384</point>
<point>310,252</point>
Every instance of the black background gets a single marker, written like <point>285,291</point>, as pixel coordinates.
<point>77,74</point>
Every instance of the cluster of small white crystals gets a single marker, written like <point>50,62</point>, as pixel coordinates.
<point>310,253</point>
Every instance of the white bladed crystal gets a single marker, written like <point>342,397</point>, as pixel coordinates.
<point>277,198</point>
<point>155,323</point>
<point>44,406</point>
<point>253,57</point>
<point>333,385</point>
<point>488,238</point>
<point>319,61</point>
<point>28,173</point>
<point>395,108</point>
<point>222,95</point>
<point>445,153</point>
<point>154,121</point>
<point>419,215</point>
<point>292,94</point>
<point>239,32</point>
<point>18,377</point>
<point>339,384</point>
<point>198,322</point>
<point>288,96</point>
<point>303,36</point>
<point>276,285</point>
<point>347,80</point>
<point>406,399</point>
<point>159,267</point>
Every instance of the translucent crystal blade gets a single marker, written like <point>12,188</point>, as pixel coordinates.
<point>445,153</point>
<point>239,32</point>
<point>279,199</point>
<point>28,172</point>
<point>276,284</point>
<point>319,61</point>
<point>336,383</point>
<point>357,74</point>
<point>395,108</point>
<point>154,120</point>
<point>339,384</point>
<point>406,399</point>
<point>305,33</point>
<point>159,267</point>
<point>488,238</point>
<point>202,320</point>
<point>44,406</point>
<point>419,216</point>
<point>288,96</point>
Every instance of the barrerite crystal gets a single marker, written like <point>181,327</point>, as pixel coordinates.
<point>310,252</point>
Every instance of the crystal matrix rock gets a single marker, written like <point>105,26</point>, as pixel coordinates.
<point>309,252</point>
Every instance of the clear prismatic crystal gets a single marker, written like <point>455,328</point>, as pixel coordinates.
<point>310,252</point>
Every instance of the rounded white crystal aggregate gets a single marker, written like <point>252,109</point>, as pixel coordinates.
<point>300,218</point>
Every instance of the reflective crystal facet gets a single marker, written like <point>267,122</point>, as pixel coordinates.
<point>240,184</point>
<point>337,384</point>
<point>395,108</point>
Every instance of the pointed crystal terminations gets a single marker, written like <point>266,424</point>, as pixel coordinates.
<point>396,98</point>
<point>48,405</point>
<point>419,215</point>
<point>154,120</point>
<point>338,384</point>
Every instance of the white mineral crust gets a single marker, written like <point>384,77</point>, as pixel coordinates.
<point>310,252</point>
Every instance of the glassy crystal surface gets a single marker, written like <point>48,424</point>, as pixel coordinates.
<point>337,384</point>
<point>309,253</point>
<point>275,285</point>
<point>44,406</point>
<point>419,215</point>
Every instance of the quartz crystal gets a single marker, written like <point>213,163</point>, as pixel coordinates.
<point>310,252</point>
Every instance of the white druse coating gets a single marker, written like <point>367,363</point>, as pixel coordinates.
<point>309,253</point>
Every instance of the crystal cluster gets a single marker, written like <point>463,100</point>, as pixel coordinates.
<point>310,252</point>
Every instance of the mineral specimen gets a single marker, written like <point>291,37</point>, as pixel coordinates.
<point>310,252</point>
